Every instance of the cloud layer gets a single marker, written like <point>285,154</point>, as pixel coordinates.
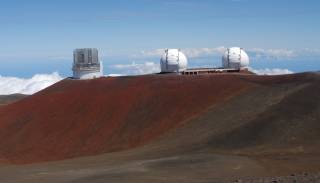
<point>13,85</point>
<point>136,69</point>
<point>275,71</point>
<point>151,67</point>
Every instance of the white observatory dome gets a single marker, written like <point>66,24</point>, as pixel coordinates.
<point>173,61</point>
<point>86,64</point>
<point>235,58</point>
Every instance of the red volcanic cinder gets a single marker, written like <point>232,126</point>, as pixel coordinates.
<point>76,118</point>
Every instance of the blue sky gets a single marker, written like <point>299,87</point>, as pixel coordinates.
<point>38,36</point>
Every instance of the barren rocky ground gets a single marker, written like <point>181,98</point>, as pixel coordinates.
<point>158,128</point>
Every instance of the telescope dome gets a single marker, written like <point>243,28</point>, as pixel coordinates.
<point>173,61</point>
<point>235,58</point>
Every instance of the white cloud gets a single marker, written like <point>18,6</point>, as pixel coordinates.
<point>13,85</point>
<point>136,69</point>
<point>114,75</point>
<point>275,71</point>
<point>258,53</point>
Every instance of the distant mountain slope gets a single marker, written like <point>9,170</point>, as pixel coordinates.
<point>227,113</point>
<point>78,118</point>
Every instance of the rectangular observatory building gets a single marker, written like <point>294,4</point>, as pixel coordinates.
<point>86,63</point>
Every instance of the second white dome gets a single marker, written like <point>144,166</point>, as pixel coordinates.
<point>235,58</point>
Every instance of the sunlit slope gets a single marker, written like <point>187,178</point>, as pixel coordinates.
<point>79,118</point>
